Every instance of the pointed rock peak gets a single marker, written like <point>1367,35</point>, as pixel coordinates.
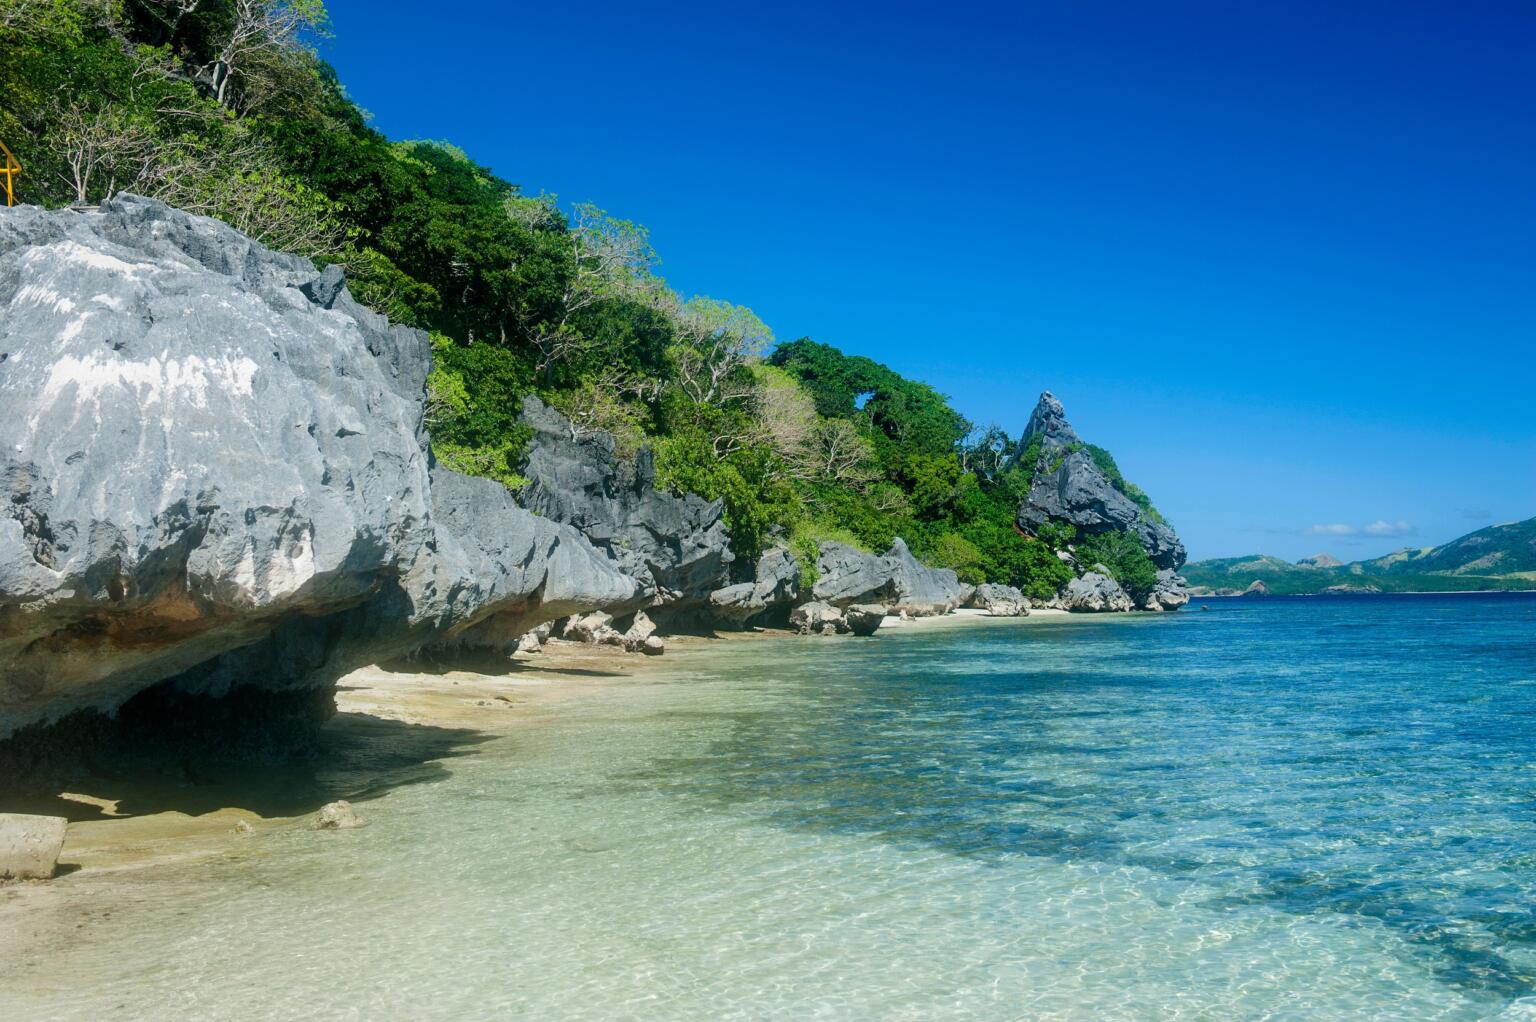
<point>1049,421</point>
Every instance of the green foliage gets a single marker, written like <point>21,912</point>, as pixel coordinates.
<point>1030,459</point>
<point>952,550</point>
<point>1125,558</point>
<point>755,502</point>
<point>910,415</point>
<point>474,395</point>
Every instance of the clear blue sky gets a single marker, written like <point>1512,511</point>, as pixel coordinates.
<point>1279,257</point>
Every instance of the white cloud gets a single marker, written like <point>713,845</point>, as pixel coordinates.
<point>1380,527</point>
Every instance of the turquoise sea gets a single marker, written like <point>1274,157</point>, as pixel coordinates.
<point>1303,809</point>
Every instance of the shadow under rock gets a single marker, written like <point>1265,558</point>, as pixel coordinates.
<point>286,763</point>
<point>487,662</point>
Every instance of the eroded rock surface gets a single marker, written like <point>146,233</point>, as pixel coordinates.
<point>846,575</point>
<point>676,547</point>
<point>864,618</point>
<point>999,600</point>
<point>1069,487</point>
<point>1170,593</point>
<point>922,591</point>
<point>214,474</point>
<point>340,815</point>
<point>30,846</point>
<point>1095,592</point>
<point>818,618</point>
<point>775,584</point>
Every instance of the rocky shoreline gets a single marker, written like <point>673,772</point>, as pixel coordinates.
<point>284,522</point>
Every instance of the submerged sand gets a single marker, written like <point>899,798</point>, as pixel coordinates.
<point>110,830</point>
<point>395,725</point>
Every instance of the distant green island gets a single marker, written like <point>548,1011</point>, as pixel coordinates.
<point>1498,557</point>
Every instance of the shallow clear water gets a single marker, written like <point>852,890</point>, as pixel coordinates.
<point>1284,809</point>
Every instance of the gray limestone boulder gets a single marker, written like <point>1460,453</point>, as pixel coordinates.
<point>30,846</point>
<point>338,816</point>
<point>775,584</point>
<point>999,600</point>
<point>215,475</point>
<point>864,618</point>
<point>922,591</point>
<point>1095,592</point>
<point>592,629</point>
<point>896,580</point>
<point>818,618</point>
<point>847,576</point>
<point>676,547</point>
<point>1170,593</point>
<point>1069,487</point>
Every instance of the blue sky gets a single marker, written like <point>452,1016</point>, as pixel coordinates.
<point>1279,258</point>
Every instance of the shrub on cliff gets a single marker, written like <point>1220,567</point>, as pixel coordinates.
<point>1125,558</point>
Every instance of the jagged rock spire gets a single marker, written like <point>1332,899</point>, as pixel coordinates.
<point>1049,422</point>
<point>1071,488</point>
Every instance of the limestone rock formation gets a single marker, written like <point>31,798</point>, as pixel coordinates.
<point>30,846</point>
<point>999,600</point>
<point>775,584</point>
<point>1256,588</point>
<point>214,475</point>
<point>864,618</point>
<point>818,618</point>
<point>676,547</point>
<point>921,591</point>
<point>1069,487</point>
<point>339,815</point>
<point>1170,593</point>
<point>846,576</point>
<point>1095,592</point>
<point>635,634</point>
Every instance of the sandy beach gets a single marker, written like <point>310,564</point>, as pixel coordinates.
<point>120,824</point>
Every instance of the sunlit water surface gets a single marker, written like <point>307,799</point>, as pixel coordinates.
<point>1286,809</point>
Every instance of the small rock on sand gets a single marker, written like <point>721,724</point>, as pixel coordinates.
<point>30,846</point>
<point>338,816</point>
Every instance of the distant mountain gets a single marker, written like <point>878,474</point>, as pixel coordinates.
<point>1498,557</point>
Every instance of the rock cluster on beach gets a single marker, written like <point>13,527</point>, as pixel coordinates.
<point>775,584</point>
